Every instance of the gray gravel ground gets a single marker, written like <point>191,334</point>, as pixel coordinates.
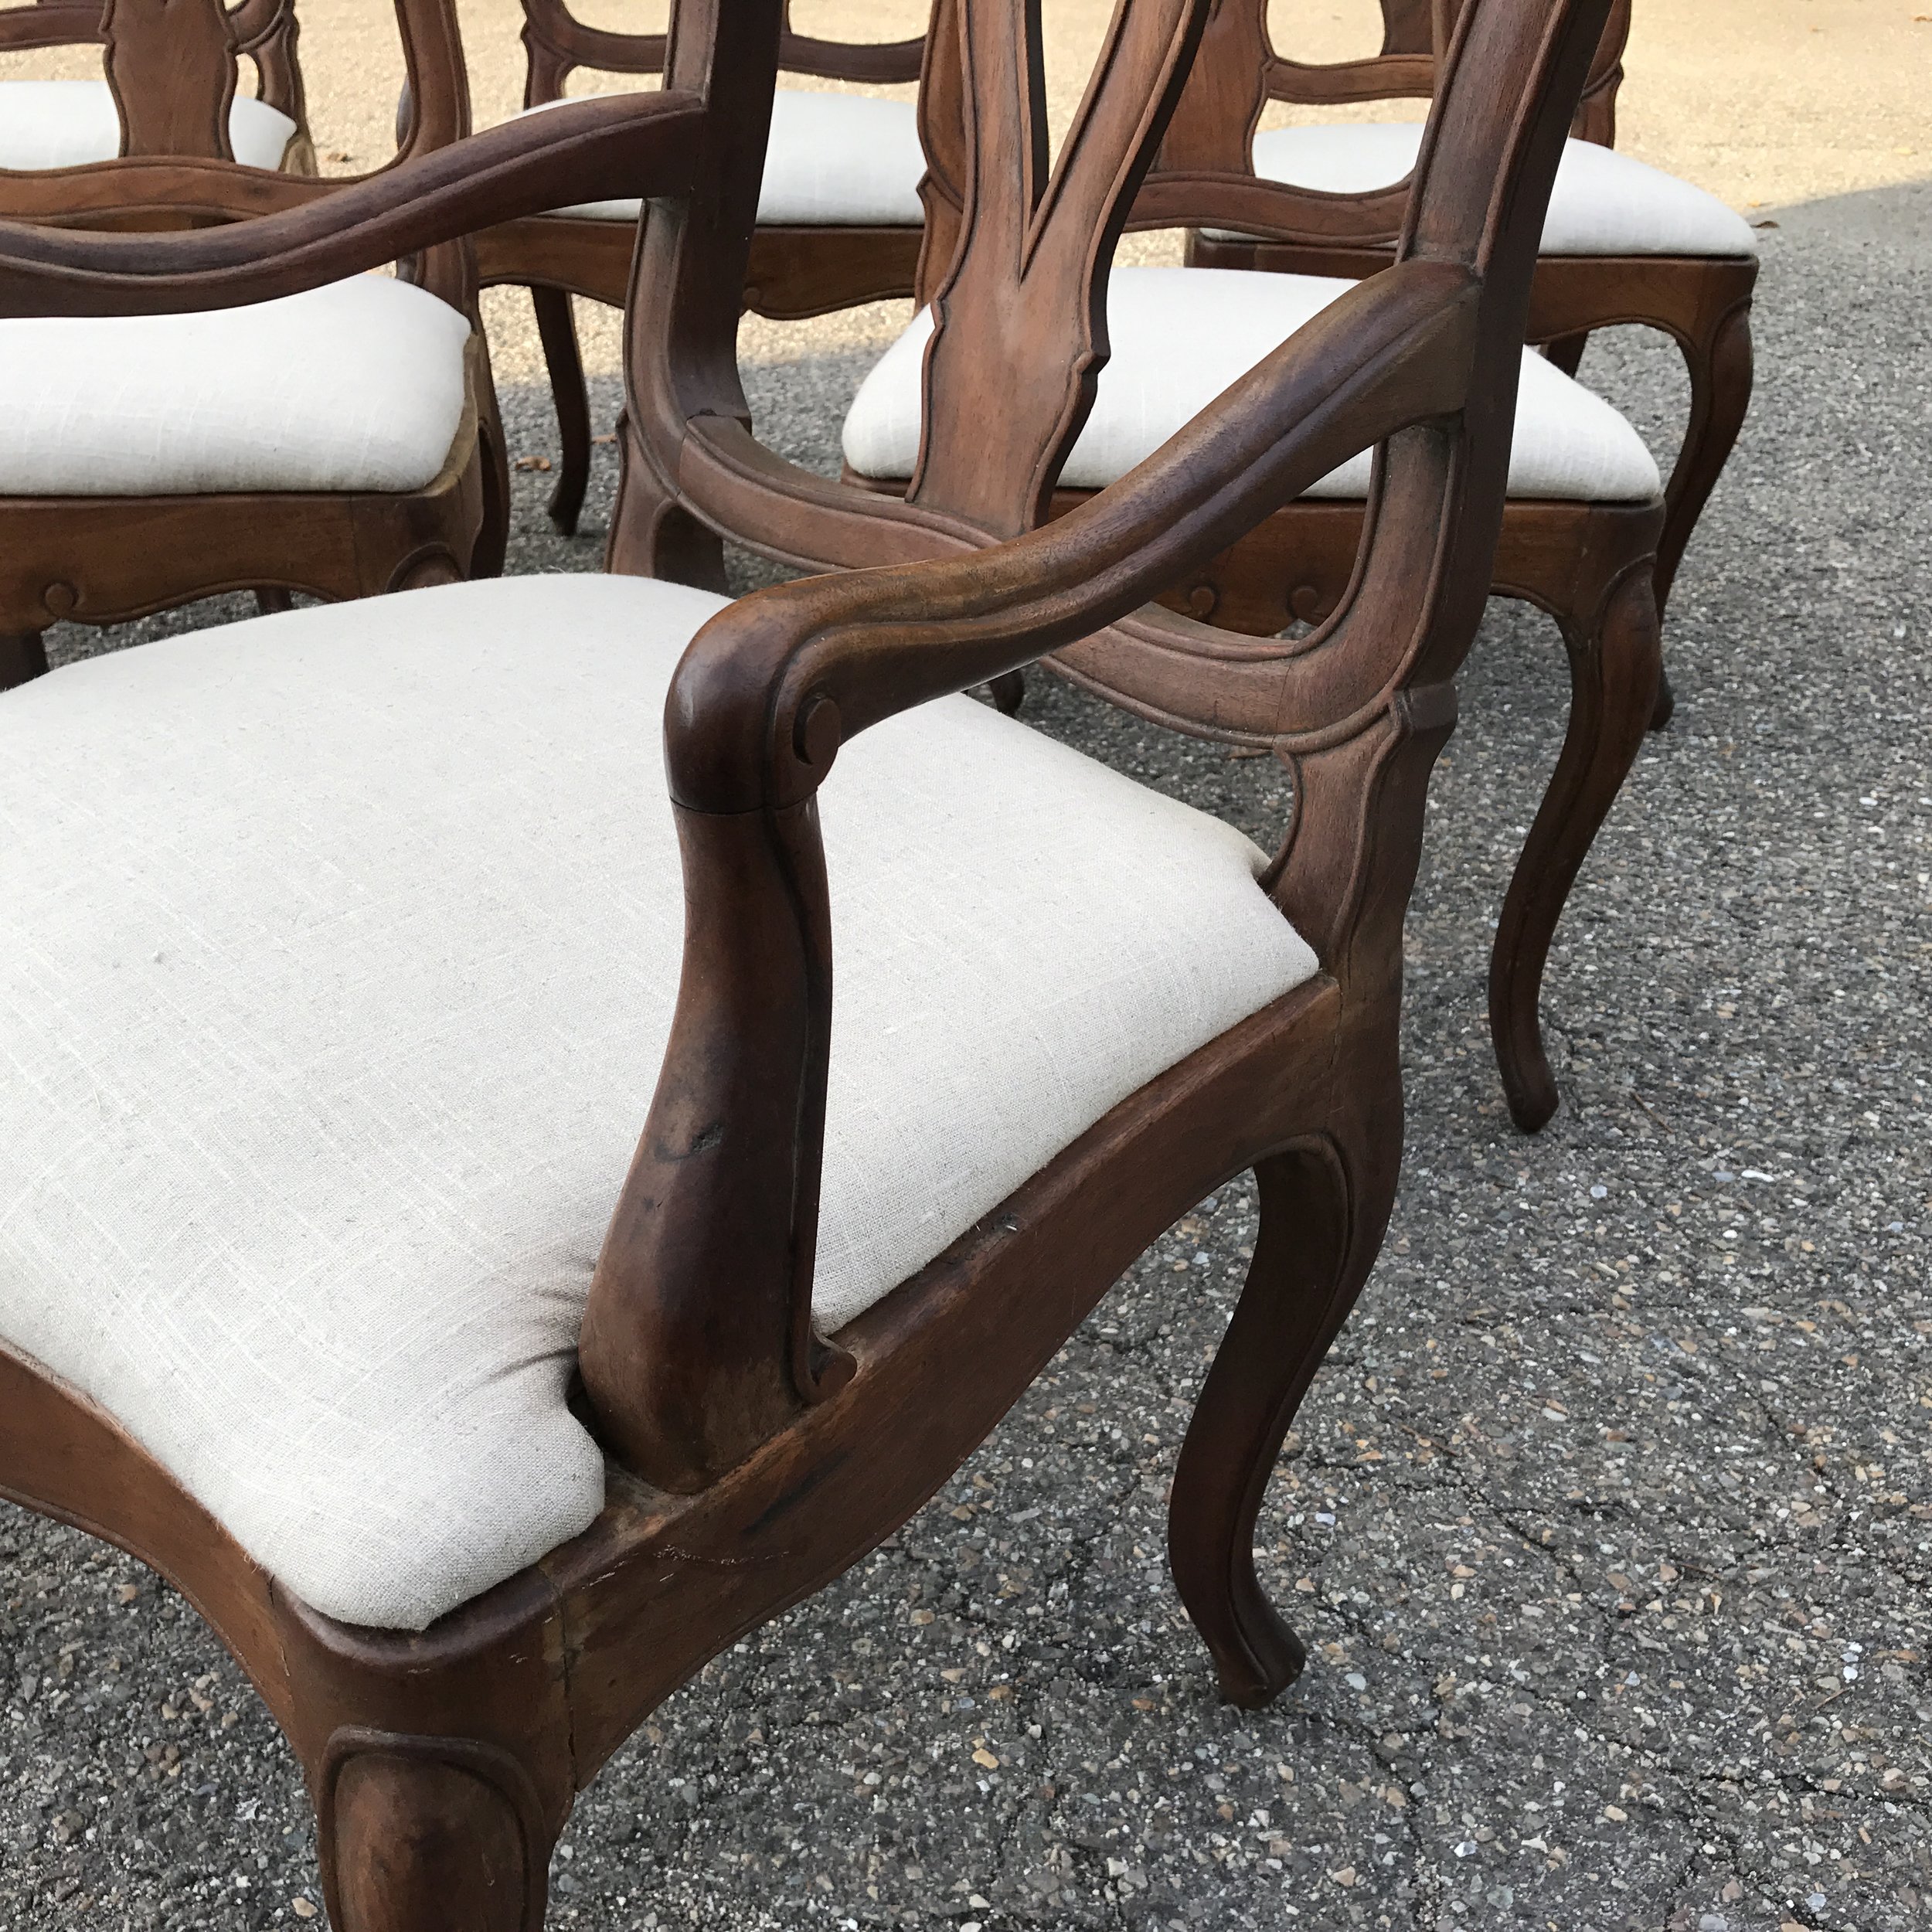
<point>1610,1522</point>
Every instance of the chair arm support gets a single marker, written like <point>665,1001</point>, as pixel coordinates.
<point>697,1346</point>
<point>770,688</point>
<point>524,167</point>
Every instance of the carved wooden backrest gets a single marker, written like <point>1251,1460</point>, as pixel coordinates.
<point>163,64</point>
<point>173,64</point>
<point>558,43</point>
<point>1240,71</point>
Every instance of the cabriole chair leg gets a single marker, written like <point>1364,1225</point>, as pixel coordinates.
<point>1615,663</point>
<point>1323,1211</point>
<point>556,326</point>
<point>422,1835</point>
<point>23,654</point>
<point>1721,364</point>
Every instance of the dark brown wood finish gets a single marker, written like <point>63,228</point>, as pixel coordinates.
<point>1702,303</point>
<point>264,32</point>
<point>745,1468</point>
<point>1010,376</point>
<point>104,559</point>
<point>794,271</point>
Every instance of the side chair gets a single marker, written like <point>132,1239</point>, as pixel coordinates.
<point>342,440</point>
<point>839,217</point>
<point>67,124</point>
<point>1624,243</point>
<point>326,1291</point>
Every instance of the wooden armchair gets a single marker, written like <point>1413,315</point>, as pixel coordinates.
<point>342,441</point>
<point>839,220</point>
<point>302,1298</point>
<point>68,124</point>
<point>1624,242</point>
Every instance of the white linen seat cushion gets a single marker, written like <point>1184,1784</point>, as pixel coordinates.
<point>358,385</point>
<point>69,124</point>
<point>1181,335</point>
<point>833,160</point>
<point>1603,202</point>
<point>340,954</point>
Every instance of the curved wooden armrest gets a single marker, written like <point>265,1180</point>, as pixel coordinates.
<point>524,167</point>
<point>698,1343</point>
<point>770,688</point>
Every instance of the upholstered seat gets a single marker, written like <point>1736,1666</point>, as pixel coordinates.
<point>834,160</point>
<point>1181,335</point>
<point>1605,203</point>
<point>357,386</point>
<point>69,123</point>
<point>340,953</point>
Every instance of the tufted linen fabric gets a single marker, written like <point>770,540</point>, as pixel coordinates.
<point>1604,203</point>
<point>341,951</point>
<point>1181,335</point>
<point>356,385</point>
<point>69,123</point>
<point>833,160</point>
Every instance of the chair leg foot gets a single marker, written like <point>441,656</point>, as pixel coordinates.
<point>1009,692</point>
<point>556,326</point>
<point>1322,1218</point>
<point>422,1834</point>
<point>271,603</point>
<point>23,654</point>
<point>1615,667</point>
<point>1665,708</point>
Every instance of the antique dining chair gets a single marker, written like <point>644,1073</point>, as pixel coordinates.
<point>67,124</point>
<point>956,440</point>
<point>1624,242</point>
<point>344,965</point>
<point>839,218</point>
<point>341,441</point>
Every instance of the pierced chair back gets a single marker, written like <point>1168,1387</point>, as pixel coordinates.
<point>173,66</point>
<point>558,43</point>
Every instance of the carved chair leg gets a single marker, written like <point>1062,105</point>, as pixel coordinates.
<point>491,549</point>
<point>1009,692</point>
<point>23,654</point>
<point>271,603</point>
<point>556,326</point>
<point>1719,361</point>
<point>422,1835</point>
<point>1566,351</point>
<point>1614,666</point>
<point>1322,1218</point>
<point>659,538</point>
